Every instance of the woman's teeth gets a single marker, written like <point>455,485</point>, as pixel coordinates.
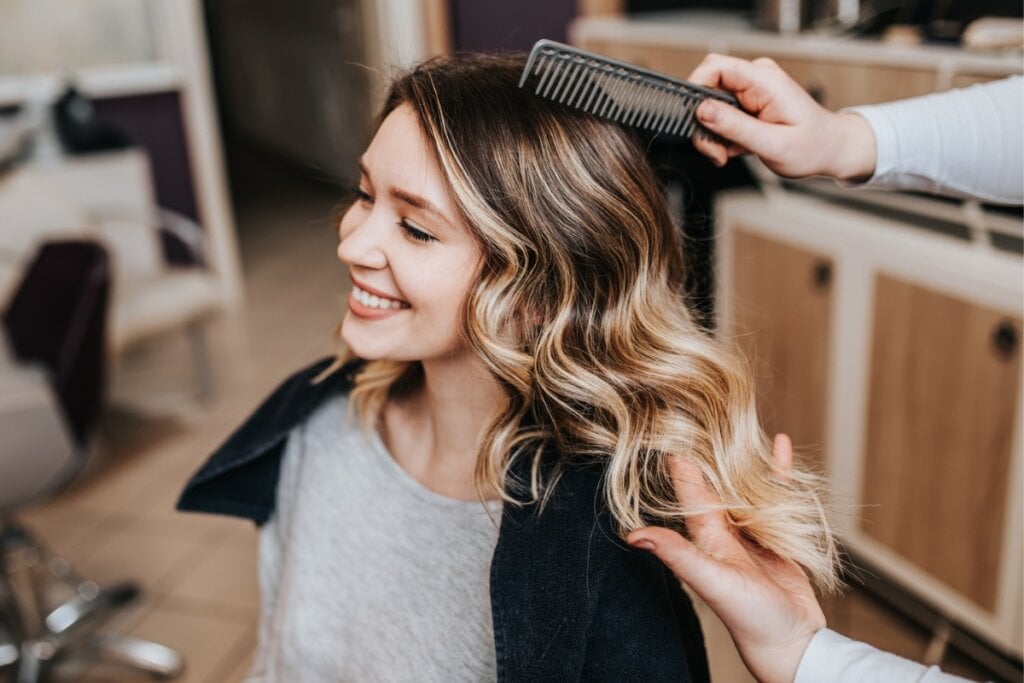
<point>374,301</point>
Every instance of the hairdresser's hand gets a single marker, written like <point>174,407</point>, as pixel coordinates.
<point>785,128</point>
<point>766,602</point>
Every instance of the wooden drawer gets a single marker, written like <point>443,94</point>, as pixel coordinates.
<point>898,349</point>
<point>836,85</point>
<point>942,406</point>
<point>782,314</point>
<point>673,61</point>
<point>964,80</point>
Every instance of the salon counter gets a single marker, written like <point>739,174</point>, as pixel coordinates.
<point>838,71</point>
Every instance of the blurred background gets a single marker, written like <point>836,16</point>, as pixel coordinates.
<point>170,172</point>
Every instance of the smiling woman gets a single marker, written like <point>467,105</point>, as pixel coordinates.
<point>446,499</point>
<point>410,262</point>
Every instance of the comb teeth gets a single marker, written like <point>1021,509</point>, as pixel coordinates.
<point>615,90</point>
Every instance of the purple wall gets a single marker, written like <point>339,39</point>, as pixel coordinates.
<point>154,122</point>
<point>488,25</point>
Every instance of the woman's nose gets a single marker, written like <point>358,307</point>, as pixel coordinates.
<point>360,243</point>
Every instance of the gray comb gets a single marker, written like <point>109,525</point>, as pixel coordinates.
<point>617,91</point>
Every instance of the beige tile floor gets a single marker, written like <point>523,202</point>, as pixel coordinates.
<point>199,573</point>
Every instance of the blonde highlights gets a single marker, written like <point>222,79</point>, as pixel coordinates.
<point>580,313</point>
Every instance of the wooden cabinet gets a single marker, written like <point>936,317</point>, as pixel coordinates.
<point>897,349</point>
<point>783,292</point>
<point>887,350</point>
<point>672,61</point>
<point>836,84</point>
<point>839,72</point>
<point>964,80</point>
<point>941,408</point>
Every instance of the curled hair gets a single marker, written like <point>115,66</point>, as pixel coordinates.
<point>580,313</point>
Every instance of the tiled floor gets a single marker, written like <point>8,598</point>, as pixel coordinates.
<point>199,573</point>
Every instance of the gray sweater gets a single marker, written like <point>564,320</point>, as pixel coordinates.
<point>365,574</point>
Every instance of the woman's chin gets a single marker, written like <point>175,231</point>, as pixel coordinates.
<point>357,343</point>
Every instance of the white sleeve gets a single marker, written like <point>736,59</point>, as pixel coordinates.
<point>962,143</point>
<point>837,659</point>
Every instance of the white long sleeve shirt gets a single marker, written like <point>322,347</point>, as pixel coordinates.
<point>962,143</point>
<point>832,658</point>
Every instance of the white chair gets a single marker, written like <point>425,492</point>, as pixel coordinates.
<point>52,362</point>
<point>109,198</point>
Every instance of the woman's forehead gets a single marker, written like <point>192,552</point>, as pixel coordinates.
<point>401,157</point>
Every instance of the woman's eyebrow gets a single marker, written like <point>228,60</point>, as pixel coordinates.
<point>410,198</point>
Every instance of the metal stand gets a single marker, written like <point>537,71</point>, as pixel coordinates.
<point>37,635</point>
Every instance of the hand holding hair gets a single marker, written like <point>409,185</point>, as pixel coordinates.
<point>780,123</point>
<point>766,602</point>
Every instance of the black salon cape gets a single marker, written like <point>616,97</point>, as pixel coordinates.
<point>570,601</point>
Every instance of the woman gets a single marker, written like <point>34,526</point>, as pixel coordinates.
<point>518,337</point>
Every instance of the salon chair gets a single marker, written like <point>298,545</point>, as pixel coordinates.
<point>51,388</point>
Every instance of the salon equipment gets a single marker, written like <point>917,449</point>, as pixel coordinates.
<point>617,91</point>
<point>51,388</point>
<point>79,128</point>
<point>109,198</point>
<point>846,303</point>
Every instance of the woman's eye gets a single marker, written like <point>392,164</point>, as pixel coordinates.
<point>415,233</point>
<point>361,194</point>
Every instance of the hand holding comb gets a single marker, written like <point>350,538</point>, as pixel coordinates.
<point>617,91</point>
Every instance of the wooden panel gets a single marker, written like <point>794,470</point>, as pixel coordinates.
<point>964,80</point>
<point>835,85</point>
<point>678,62</point>
<point>598,7</point>
<point>782,306</point>
<point>838,85</point>
<point>940,423</point>
<point>438,27</point>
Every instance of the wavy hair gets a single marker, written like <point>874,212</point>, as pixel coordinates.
<point>580,313</point>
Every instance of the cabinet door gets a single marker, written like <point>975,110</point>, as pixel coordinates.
<point>942,405</point>
<point>965,80</point>
<point>781,311</point>
<point>672,61</point>
<point>837,85</point>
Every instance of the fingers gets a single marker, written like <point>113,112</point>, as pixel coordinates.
<point>717,152</point>
<point>734,125</point>
<point>782,456</point>
<point>724,72</point>
<point>707,528</point>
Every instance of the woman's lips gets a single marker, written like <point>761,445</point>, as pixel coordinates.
<point>365,304</point>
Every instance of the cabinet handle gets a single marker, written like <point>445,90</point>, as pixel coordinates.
<point>822,275</point>
<point>1005,340</point>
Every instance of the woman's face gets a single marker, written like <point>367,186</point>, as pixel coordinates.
<point>411,260</point>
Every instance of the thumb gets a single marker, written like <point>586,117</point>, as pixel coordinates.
<point>734,125</point>
<point>690,565</point>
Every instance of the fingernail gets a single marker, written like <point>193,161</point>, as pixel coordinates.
<point>644,544</point>
<point>707,111</point>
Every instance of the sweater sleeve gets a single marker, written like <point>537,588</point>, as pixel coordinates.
<point>836,658</point>
<point>962,143</point>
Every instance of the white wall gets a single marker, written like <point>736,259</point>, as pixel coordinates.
<point>62,35</point>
